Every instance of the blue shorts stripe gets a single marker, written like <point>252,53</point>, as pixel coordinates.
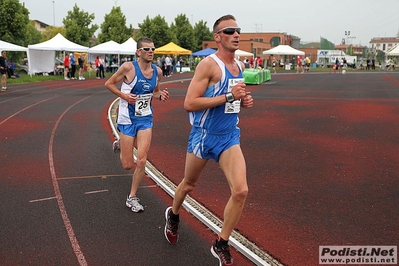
<point>132,129</point>
<point>211,146</point>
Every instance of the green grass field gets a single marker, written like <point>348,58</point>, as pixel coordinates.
<point>25,78</point>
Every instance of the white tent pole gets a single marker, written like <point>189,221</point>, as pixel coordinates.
<point>29,65</point>
<point>63,60</point>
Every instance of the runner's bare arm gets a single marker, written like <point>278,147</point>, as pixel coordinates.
<point>206,74</point>
<point>125,72</point>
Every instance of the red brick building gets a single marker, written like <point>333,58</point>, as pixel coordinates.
<point>258,42</point>
<point>357,49</point>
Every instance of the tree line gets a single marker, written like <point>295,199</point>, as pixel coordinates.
<point>79,28</point>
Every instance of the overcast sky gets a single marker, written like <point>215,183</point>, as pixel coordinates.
<point>307,19</point>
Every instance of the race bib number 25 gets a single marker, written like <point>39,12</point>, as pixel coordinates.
<point>143,105</point>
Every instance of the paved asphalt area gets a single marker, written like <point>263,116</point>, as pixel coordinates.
<point>322,158</point>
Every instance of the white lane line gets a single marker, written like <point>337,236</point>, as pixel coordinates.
<point>11,116</point>
<point>67,223</point>
<point>43,199</point>
<point>96,191</point>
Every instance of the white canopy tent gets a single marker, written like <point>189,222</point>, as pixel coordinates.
<point>41,56</point>
<point>283,50</point>
<point>394,51</point>
<point>6,46</point>
<point>109,47</point>
<point>240,53</point>
<point>129,47</point>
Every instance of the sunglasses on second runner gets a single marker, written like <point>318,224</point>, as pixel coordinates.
<point>147,49</point>
<point>230,30</point>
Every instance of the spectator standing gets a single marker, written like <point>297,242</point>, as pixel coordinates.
<point>246,62</point>
<point>307,64</point>
<point>299,65</point>
<point>196,61</point>
<point>168,62</point>
<point>260,63</point>
<point>251,62</point>
<point>3,70</point>
<point>336,65</point>
<point>281,64</point>
<point>345,63</point>
<point>274,64</point>
<point>181,63</point>
<point>187,62</point>
<point>390,64</point>
<point>102,64</point>
<point>304,65</point>
<point>66,66</point>
<point>159,63</point>
<point>72,61</point>
<point>97,64</point>
<point>368,64</point>
<point>81,61</point>
<point>163,62</point>
<point>174,63</point>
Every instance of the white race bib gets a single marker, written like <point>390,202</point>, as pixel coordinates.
<point>234,107</point>
<point>143,105</point>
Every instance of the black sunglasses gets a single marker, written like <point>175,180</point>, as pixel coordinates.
<point>230,30</point>
<point>147,49</point>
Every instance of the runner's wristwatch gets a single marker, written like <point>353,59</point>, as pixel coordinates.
<point>229,97</point>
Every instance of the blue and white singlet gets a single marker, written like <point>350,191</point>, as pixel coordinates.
<point>142,111</point>
<point>221,119</point>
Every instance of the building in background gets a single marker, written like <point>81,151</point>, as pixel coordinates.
<point>383,44</point>
<point>40,26</point>
<point>356,50</point>
<point>257,42</point>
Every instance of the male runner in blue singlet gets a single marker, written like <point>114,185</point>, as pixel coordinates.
<point>135,116</point>
<point>214,98</point>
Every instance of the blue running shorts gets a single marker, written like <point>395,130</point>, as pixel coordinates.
<point>209,146</point>
<point>132,129</point>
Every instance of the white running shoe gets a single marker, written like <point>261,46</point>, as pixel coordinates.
<point>133,204</point>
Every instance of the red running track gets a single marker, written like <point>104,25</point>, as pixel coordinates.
<point>322,162</point>
<point>322,158</point>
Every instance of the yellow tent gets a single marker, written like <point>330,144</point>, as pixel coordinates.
<point>172,48</point>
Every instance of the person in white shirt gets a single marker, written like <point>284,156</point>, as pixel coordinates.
<point>168,62</point>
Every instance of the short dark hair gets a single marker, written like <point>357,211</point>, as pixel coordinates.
<point>223,18</point>
<point>143,40</point>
